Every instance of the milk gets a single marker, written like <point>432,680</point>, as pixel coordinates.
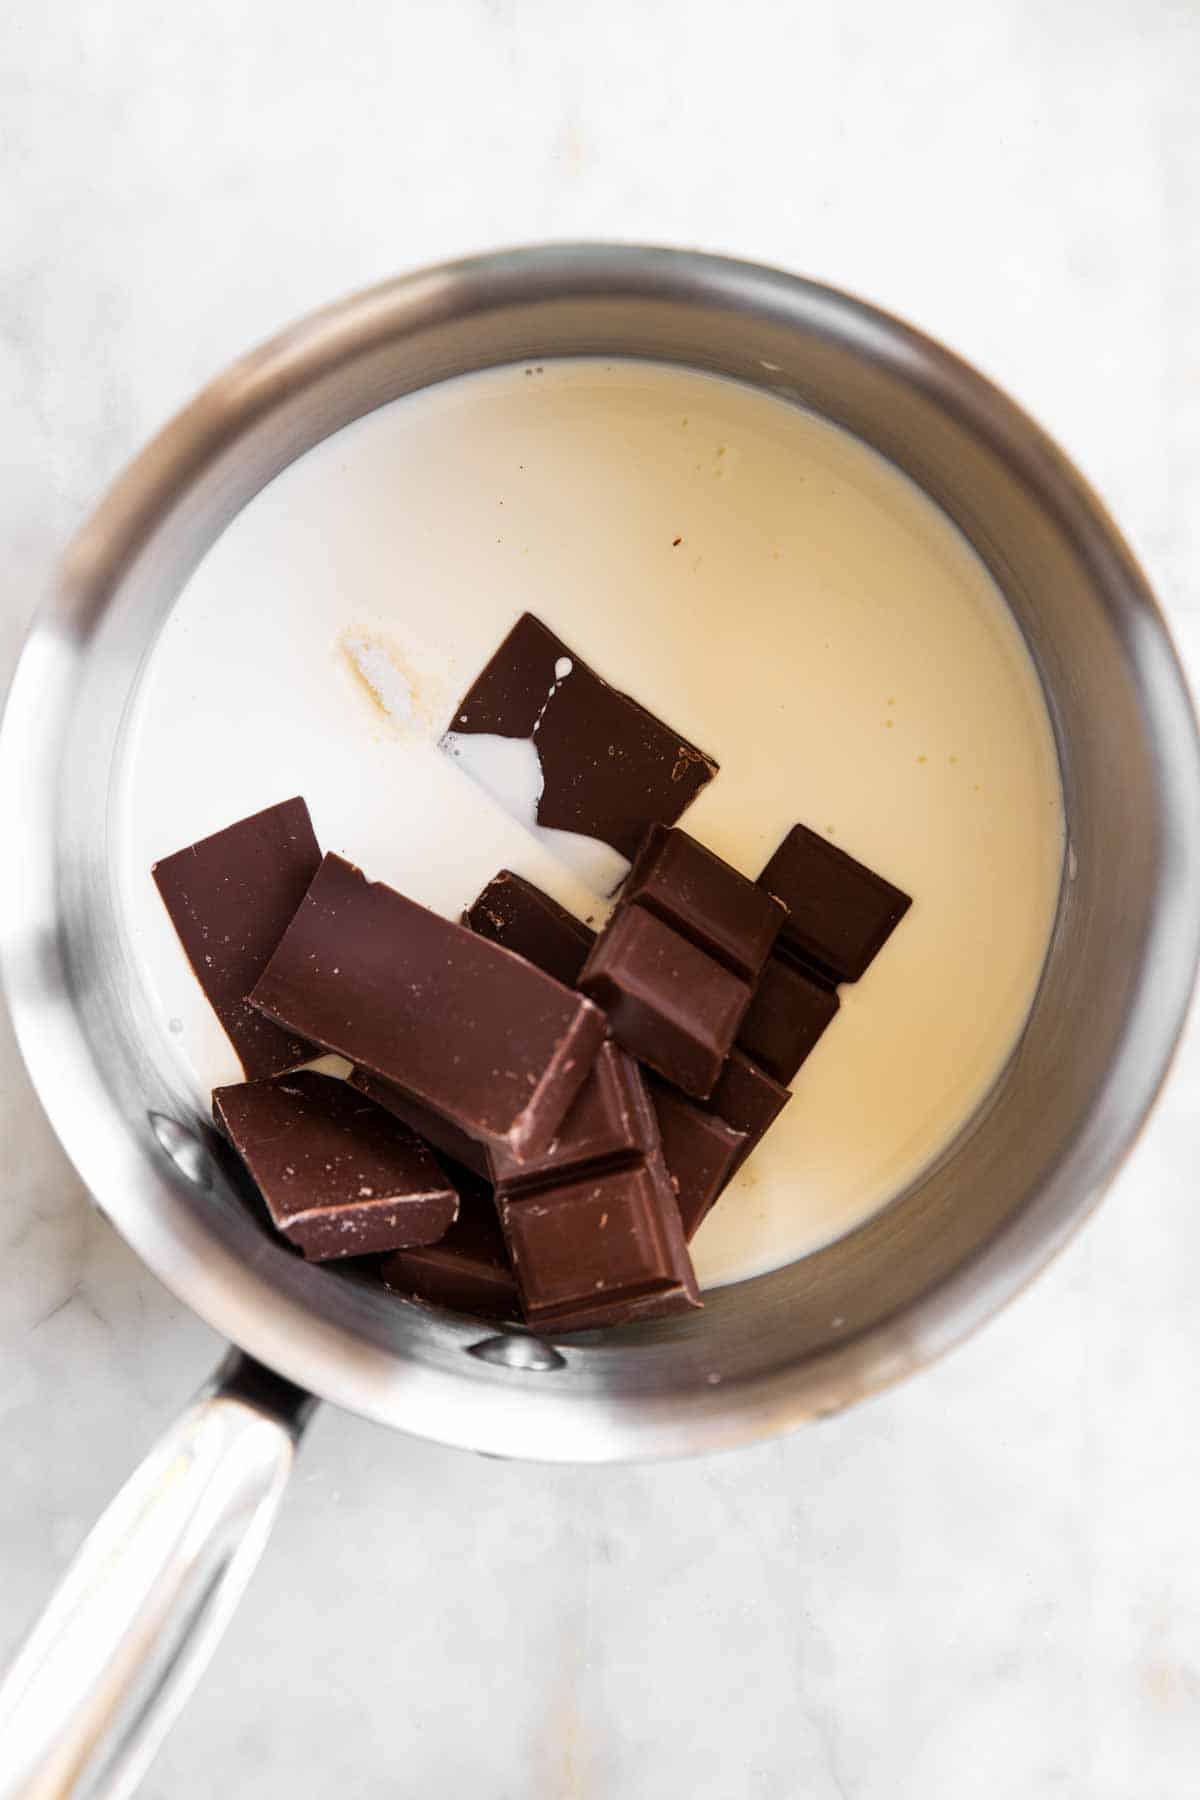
<point>771,588</point>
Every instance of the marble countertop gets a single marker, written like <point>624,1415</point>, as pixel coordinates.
<point>985,1583</point>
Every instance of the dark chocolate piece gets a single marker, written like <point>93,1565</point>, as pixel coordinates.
<point>701,1152</point>
<point>666,1001</point>
<point>609,767</point>
<point>634,1279</point>
<point>790,1010</point>
<point>231,898</point>
<point>593,1226</point>
<point>604,1126</point>
<point>449,1139</point>
<point>468,1270</point>
<point>705,899</point>
<point>340,1177</point>
<point>840,913</point>
<point>479,1035</point>
<point>749,1099</point>
<point>512,912</point>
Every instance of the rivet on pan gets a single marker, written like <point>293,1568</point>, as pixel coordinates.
<point>184,1149</point>
<point>517,1353</point>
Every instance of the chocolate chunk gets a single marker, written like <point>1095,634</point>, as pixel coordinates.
<point>593,1226</point>
<point>471,1031</point>
<point>666,1001</point>
<point>634,1279</point>
<point>705,899</point>
<point>468,1270</point>
<point>749,1099</point>
<point>605,1125</point>
<point>609,768</point>
<point>701,1152</point>
<point>231,897</point>
<point>840,913</point>
<point>340,1177</point>
<point>790,1010</point>
<point>449,1139</point>
<point>512,912</point>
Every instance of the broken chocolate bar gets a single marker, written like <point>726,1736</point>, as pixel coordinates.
<point>231,897</point>
<point>593,1226</point>
<point>340,1177</point>
<point>840,913</point>
<point>475,1033</point>
<point>609,768</point>
<point>790,1010</point>
<point>468,1270</point>
<point>705,899</point>
<point>700,1150</point>
<point>512,912</point>
<point>749,1099</point>
<point>666,1001</point>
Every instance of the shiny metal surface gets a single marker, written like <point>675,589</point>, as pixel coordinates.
<point>770,1353</point>
<point>121,1644</point>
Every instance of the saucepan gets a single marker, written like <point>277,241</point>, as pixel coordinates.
<point>91,1695</point>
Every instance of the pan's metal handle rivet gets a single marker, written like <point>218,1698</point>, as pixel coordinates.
<point>516,1352</point>
<point>184,1149</point>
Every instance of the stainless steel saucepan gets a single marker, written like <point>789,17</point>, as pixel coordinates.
<point>92,1693</point>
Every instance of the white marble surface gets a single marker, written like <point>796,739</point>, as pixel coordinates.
<point>985,1584</point>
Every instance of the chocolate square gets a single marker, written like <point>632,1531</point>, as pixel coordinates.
<point>840,913</point>
<point>593,1226</point>
<point>705,899</point>
<point>666,1001</point>
<point>634,1278</point>
<point>607,1123</point>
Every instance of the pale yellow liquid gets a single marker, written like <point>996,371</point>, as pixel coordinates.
<point>821,630</point>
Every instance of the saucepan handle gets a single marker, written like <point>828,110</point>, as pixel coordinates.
<point>122,1643</point>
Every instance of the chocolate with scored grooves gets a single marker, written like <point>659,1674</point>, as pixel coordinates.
<point>593,1226</point>
<point>667,1002</point>
<point>231,897</point>
<point>609,767</point>
<point>705,899</point>
<point>339,1175</point>
<point>475,1033</point>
